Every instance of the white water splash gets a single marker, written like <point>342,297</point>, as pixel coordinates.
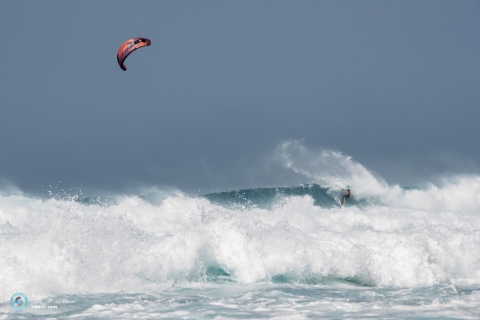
<point>411,238</point>
<point>330,169</point>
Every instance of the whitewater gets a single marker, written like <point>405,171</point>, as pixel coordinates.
<point>287,252</point>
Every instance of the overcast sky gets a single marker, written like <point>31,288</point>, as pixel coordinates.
<point>394,84</point>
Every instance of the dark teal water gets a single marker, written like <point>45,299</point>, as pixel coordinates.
<point>268,197</point>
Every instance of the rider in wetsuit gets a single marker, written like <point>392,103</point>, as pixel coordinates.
<point>346,195</point>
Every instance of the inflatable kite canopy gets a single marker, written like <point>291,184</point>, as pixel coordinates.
<point>128,47</point>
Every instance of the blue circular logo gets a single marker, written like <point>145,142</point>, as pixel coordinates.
<point>19,301</point>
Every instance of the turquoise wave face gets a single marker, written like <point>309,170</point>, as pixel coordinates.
<point>266,198</point>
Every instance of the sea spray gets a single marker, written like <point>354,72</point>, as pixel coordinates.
<point>286,251</point>
<point>58,246</point>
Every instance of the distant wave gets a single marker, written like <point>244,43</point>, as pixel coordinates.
<point>270,197</point>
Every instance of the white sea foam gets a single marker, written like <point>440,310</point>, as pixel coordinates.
<point>403,238</point>
<point>55,246</point>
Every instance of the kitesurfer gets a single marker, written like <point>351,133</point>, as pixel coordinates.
<point>346,195</point>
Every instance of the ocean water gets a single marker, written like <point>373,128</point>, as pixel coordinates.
<point>281,253</point>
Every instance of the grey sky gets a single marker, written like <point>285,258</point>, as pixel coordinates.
<point>395,84</point>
